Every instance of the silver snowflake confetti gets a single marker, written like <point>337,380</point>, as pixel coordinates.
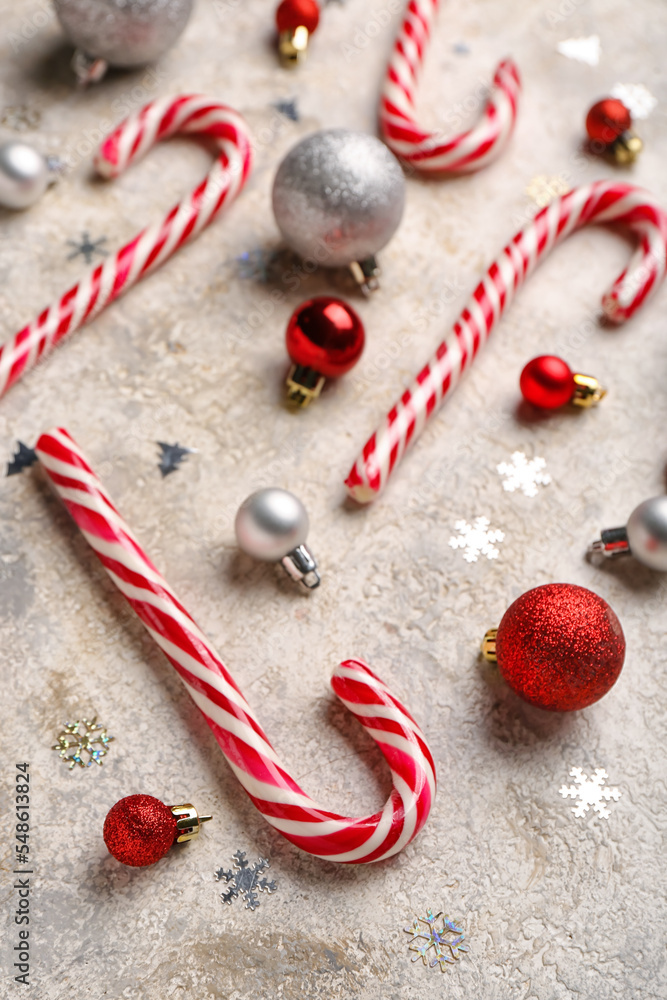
<point>447,942</point>
<point>524,475</point>
<point>637,98</point>
<point>590,792</point>
<point>83,743</point>
<point>244,880</point>
<point>477,539</point>
<point>87,248</point>
<point>23,459</point>
<point>586,50</point>
<point>288,109</point>
<point>171,456</point>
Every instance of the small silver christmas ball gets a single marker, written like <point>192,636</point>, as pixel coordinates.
<point>124,33</point>
<point>24,175</point>
<point>271,523</point>
<point>338,196</point>
<point>647,533</point>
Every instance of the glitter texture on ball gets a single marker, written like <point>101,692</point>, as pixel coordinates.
<point>560,647</point>
<point>139,830</point>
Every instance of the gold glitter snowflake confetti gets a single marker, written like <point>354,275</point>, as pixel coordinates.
<point>447,941</point>
<point>83,742</point>
<point>542,189</point>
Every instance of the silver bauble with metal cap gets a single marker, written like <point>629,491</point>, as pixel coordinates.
<point>647,533</point>
<point>123,33</point>
<point>270,524</point>
<point>24,175</point>
<point>338,196</point>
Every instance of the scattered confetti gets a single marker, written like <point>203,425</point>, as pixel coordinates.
<point>447,942</point>
<point>590,792</point>
<point>172,456</point>
<point>264,265</point>
<point>87,248</point>
<point>20,117</point>
<point>288,109</point>
<point>639,101</point>
<point>83,737</point>
<point>586,50</point>
<point>542,189</point>
<point>524,475</point>
<point>23,459</point>
<point>244,880</point>
<point>461,48</point>
<point>476,539</point>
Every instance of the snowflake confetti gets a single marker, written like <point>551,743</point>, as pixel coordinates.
<point>586,50</point>
<point>23,459</point>
<point>637,98</point>
<point>542,189</point>
<point>447,943</point>
<point>590,792</point>
<point>87,248</point>
<point>84,737</point>
<point>477,539</point>
<point>20,117</point>
<point>524,475</point>
<point>288,109</point>
<point>171,456</point>
<point>244,880</point>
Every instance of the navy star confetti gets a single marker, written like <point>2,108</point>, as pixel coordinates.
<point>288,109</point>
<point>23,459</point>
<point>172,456</point>
<point>87,248</point>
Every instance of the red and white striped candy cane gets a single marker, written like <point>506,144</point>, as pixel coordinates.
<point>243,742</point>
<point>600,202</point>
<point>159,120</point>
<point>428,151</point>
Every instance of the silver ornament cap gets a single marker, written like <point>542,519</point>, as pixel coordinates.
<point>123,33</point>
<point>24,175</point>
<point>647,533</point>
<point>272,525</point>
<point>338,197</point>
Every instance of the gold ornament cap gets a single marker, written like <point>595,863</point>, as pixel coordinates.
<point>293,45</point>
<point>188,821</point>
<point>489,645</point>
<point>588,391</point>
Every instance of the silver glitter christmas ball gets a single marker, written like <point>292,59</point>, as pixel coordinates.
<point>24,175</point>
<point>338,196</point>
<point>647,533</point>
<point>271,523</point>
<point>124,33</point>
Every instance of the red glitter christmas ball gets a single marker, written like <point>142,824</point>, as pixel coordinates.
<point>326,335</point>
<point>547,382</point>
<point>293,14</point>
<point>139,830</point>
<point>560,647</point>
<point>607,120</point>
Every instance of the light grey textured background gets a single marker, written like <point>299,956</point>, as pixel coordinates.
<point>553,906</point>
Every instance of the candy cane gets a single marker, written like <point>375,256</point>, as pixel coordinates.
<point>427,151</point>
<point>599,202</point>
<point>153,246</point>
<point>250,755</point>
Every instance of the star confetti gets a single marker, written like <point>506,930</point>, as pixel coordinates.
<point>586,50</point>
<point>172,456</point>
<point>590,792</point>
<point>639,101</point>
<point>288,109</point>
<point>447,942</point>
<point>87,248</point>
<point>23,459</point>
<point>243,880</point>
<point>476,539</point>
<point>84,737</point>
<point>524,475</point>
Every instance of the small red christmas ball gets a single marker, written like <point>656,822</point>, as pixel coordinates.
<point>560,647</point>
<point>139,830</point>
<point>607,120</point>
<point>547,382</point>
<point>293,14</point>
<point>326,335</point>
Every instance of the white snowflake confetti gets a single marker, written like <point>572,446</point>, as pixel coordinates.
<point>447,943</point>
<point>586,50</point>
<point>524,475</point>
<point>476,539</point>
<point>637,98</point>
<point>590,792</point>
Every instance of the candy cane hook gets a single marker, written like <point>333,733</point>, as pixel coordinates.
<point>600,202</point>
<point>154,245</point>
<point>427,151</point>
<point>250,755</point>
